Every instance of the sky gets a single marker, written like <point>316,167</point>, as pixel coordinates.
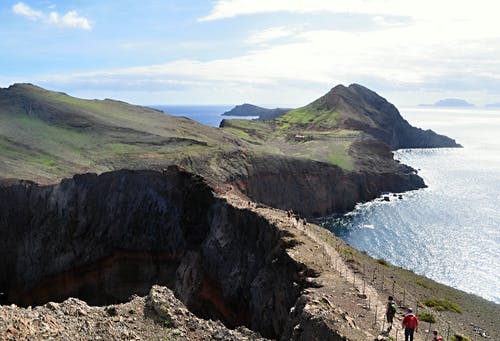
<point>265,52</point>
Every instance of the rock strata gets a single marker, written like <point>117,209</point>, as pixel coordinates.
<point>103,238</point>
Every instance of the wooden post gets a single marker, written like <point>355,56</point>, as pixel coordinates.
<point>354,280</point>
<point>428,331</point>
<point>364,284</point>
<point>393,285</point>
<point>404,297</point>
<point>383,280</point>
<point>376,308</point>
<point>397,331</point>
<point>448,332</point>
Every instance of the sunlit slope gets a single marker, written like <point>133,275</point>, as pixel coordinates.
<point>350,127</point>
<point>45,135</point>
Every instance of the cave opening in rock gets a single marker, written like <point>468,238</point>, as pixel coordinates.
<point>104,238</point>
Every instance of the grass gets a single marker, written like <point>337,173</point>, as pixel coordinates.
<point>310,115</point>
<point>45,136</point>
<point>441,305</point>
<point>382,261</point>
<point>424,284</point>
<point>459,338</point>
<point>340,156</point>
<point>426,317</point>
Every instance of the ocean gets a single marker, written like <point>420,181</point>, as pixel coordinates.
<point>450,231</point>
<point>210,115</point>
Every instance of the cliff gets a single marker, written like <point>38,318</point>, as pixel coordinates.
<point>104,238</point>
<point>110,237</point>
<point>48,136</point>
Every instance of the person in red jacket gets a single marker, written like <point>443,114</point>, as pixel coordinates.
<point>410,324</point>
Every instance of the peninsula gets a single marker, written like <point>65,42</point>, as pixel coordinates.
<point>100,200</point>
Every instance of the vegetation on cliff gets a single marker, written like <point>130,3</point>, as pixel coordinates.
<point>46,136</point>
<point>225,256</point>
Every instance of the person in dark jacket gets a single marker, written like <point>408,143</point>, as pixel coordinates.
<point>390,311</point>
<point>410,324</point>
<point>437,337</point>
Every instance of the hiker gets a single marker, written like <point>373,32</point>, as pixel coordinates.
<point>410,324</point>
<point>437,337</point>
<point>390,312</point>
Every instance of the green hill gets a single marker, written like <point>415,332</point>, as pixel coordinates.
<point>318,159</point>
<point>46,135</point>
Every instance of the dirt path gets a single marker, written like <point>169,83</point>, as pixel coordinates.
<point>377,300</point>
<point>344,287</point>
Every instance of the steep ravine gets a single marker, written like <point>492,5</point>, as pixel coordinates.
<point>103,238</point>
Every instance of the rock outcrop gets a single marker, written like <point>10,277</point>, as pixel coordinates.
<point>158,316</point>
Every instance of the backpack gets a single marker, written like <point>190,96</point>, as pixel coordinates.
<point>392,308</point>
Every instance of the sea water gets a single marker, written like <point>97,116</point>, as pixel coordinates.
<point>210,115</point>
<point>449,231</point>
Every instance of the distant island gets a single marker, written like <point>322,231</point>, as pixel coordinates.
<point>449,102</point>
<point>254,110</point>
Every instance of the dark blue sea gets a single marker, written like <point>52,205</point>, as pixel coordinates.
<point>207,114</point>
<point>450,231</point>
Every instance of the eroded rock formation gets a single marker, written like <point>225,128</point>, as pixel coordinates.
<point>104,238</point>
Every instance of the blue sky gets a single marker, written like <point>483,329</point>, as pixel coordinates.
<point>267,52</point>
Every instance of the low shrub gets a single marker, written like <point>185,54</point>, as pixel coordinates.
<point>382,261</point>
<point>441,305</point>
<point>426,317</point>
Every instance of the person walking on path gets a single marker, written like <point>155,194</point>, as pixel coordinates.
<point>390,312</point>
<point>437,337</point>
<point>410,324</point>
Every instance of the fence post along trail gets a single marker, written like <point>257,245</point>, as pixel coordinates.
<point>402,296</point>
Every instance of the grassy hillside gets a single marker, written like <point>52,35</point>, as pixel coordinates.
<point>46,135</point>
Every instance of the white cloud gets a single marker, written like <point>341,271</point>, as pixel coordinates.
<point>415,47</point>
<point>417,56</point>
<point>22,9</point>
<point>422,9</point>
<point>269,34</point>
<point>69,19</point>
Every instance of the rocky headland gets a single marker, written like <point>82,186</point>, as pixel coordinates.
<point>247,109</point>
<point>204,212</point>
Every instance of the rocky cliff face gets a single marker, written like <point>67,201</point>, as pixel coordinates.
<point>104,238</point>
<point>315,189</point>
